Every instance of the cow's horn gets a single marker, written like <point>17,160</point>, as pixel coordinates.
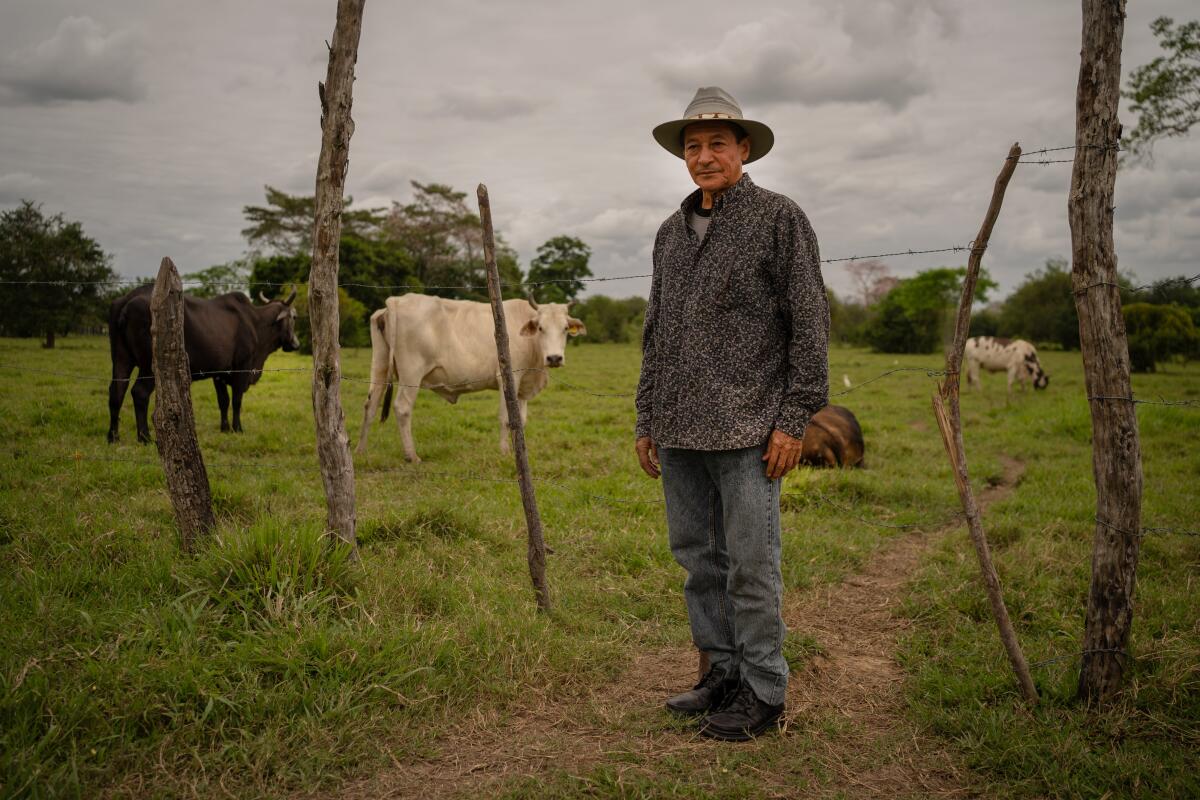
<point>263,297</point>
<point>532,302</point>
<point>291,296</point>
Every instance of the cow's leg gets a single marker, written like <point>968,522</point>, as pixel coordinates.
<point>381,368</point>
<point>116,397</point>
<point>402,407</point>
<point>142,388</point>
<point>222,402</point>
<point>370,408</point>
<point>505,430</point>
<point>238,391</point>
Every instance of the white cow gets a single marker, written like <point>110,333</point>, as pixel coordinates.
<point>449,347</point>
<point>1017,357</point>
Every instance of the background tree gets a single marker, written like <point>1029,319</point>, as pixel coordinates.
<point>443,237</point>
<point>34,247</point>
<point>1157,334</point>
<point>233,276</point>
<point>284,224</point>
<point>848,319</point>
<point>872,280</point>
<point>563,260</point>
<point>611,320</point>
<point>1179,291</point>
<point>985,321</point>
<point>1042,308</point>
<point>916,315</point>
<point>1165,92</point>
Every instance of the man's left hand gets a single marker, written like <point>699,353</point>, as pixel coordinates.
<point>783,454</point>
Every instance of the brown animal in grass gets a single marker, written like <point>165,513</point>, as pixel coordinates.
<point>833,439</point>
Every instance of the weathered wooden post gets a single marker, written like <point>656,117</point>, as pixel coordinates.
<point>1116,451</point>
<point>174,423</point>
<point>536,553</point>
<point>333,444</point>
<point>952,437</point>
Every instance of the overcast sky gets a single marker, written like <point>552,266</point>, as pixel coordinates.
<point>154,123</point>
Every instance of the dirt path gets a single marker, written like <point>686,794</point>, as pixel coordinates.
<point>845,709</point>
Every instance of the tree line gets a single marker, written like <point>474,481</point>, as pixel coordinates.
<point>916,314</point>
<point>432,244</point>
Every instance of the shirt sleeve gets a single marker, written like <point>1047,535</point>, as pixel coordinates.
<point>806,309</point>
<point>645,390</point>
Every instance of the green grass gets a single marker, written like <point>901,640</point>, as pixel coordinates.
<point>259,667</point>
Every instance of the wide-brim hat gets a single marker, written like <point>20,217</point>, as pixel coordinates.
<point>712,103</point>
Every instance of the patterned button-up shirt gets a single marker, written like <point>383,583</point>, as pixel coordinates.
<point>737,327</point>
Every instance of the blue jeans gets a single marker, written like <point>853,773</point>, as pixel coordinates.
<point>723,524</point>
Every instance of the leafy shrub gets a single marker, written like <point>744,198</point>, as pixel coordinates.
<point>353,319</point>
<point>611,320</point>
<point>1157,333</point>
<point>916,315</point>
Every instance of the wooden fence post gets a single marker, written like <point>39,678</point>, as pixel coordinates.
<point>174,423</point>
<point>536,553</point>
<point>952,437</point>
<point>333,444</point>
<point>1116,450</point>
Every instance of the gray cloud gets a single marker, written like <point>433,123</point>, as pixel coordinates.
<point>891,119</point>
<point>880,140</point>
<point>80,62</point>
<point>871,53</point>
<point>17,186</point>
<point>481,104</point>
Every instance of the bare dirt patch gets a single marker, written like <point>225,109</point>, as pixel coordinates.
<point>848,700</point>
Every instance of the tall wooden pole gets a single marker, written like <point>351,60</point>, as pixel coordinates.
<point>952,436</point>
<point>1116,451</point>
<point>333,443</point>
<point>174,422</point>
<point>536,552</point>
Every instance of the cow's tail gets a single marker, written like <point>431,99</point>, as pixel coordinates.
<point>387,402</point>
<point>117,311</point>
<point>383,368</point>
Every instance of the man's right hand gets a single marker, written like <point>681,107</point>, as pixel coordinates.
<point>648,456</point>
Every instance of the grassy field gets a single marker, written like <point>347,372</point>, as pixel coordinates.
<point>261,667</point>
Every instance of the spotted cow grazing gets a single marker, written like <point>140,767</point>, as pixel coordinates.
<point>1017,357</point>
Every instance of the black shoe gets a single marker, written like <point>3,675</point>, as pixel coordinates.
<point>705,696</point>
<point>742,718</point>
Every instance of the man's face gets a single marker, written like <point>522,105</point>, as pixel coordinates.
<point>713,154</point>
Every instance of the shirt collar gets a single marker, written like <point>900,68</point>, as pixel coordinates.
<point>732,195</point>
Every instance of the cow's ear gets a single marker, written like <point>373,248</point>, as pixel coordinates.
<point>529,328</point>
<point>287,312</point>
<point>576,327</point>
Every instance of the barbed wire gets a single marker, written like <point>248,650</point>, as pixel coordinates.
<point>1147,530</point>
<point>1140,402</point>
<point>412,287</point>
<point>1165,282</point>
<point>1080,655</point>
<point>204,375</point>
<point>1023,158</point>
<point>825,499</point>
<point>929,373</point>
<point>561,382</point>
<point>363,470</point>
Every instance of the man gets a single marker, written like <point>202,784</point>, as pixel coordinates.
<point>734,363</point>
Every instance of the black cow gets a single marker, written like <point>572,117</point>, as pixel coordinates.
<point>227,338</point>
